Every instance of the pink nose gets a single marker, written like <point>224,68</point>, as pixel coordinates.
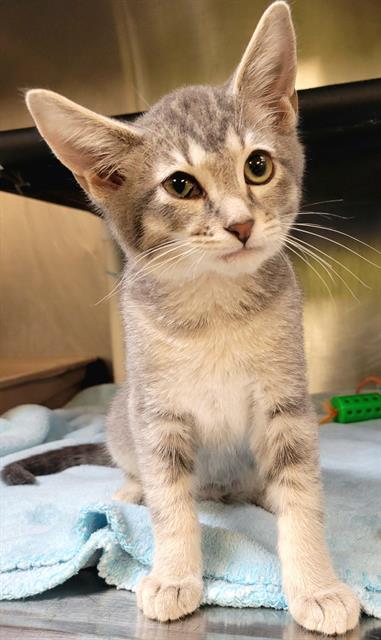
<point>241,230</point>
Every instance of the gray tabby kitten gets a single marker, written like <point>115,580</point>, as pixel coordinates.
<point>200,193</point>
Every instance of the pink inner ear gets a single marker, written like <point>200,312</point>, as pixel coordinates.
<point>116,178</point>
<point>112,180</point>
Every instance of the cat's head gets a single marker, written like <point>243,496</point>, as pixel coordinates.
<point>209,178</point>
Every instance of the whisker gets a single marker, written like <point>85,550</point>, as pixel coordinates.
<point>325,213</point>
<point>145,267</point>
<point>175,244</point>
<point>114,290</point>
<point>323,263</point>
<point>283,256</point>
<point>181,257</point>
<point>313,204</point>
<point>203,243</point>
<point>301,257</point>
<point>343,266</point>
<point>151,250</point>
<point>272,226</point>
<point>202,253</point>
<point>329,268</point>
<point>158,247</point>
<point>342,233</point>
<point>141,97</point>
<point>318,235</point>
<point>197,263</point>
<point>120,281</point>
<point>143,273</point>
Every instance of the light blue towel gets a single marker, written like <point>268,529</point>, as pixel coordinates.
<point>31,424</point>
<point>48,532</point>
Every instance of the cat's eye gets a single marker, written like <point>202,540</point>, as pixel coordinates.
<point>259,168</point>
<point>182,185</point>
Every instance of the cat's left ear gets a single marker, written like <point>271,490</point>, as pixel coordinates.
<point>92,146</point>
<point>266,74</point>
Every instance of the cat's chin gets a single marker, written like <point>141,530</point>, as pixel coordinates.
<point>239,254</point>
<point>245,260</point>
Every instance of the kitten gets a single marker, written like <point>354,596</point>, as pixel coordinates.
<point>200,193</point>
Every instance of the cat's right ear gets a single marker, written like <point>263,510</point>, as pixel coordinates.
<point>92,146</point>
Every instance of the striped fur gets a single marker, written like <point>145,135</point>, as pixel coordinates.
<point>216,399</point>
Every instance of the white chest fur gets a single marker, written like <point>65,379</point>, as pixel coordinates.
<point>211,371</point>
<point>211,377</point>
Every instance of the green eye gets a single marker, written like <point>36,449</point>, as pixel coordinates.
<point>259,168</point>
<point>182,185</point>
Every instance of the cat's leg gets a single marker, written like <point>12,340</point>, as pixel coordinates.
<point>174,586</point>
<point>121,447</point>
<point>131,491</point>
<point>287,451</point>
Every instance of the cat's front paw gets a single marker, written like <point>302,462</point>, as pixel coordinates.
<point>165,599</point>
<point>331,611</point>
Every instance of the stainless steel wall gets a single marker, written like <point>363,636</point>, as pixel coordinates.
<point>118,56</point>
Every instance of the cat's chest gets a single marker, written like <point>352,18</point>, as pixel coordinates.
<point>212,379</point>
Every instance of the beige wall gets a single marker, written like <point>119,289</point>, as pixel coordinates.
<point>52,274</point>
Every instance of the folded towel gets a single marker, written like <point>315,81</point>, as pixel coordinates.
<point>51,530</point>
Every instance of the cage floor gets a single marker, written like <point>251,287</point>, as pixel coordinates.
<point>85,608</point>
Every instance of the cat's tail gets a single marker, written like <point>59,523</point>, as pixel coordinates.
<point>24,471</point>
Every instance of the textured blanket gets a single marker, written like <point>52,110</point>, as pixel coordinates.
<point>49,531</point>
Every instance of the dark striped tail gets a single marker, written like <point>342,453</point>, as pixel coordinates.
<point>25,471</point>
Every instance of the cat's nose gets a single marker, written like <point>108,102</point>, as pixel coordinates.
<point>241,230</point>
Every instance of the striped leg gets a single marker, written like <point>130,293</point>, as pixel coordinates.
<point>121,447</point>
<point>174,587</point>
<point>287,453</point>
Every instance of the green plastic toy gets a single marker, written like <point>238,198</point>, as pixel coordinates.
<point>355,408</point>
<point>362,406</point>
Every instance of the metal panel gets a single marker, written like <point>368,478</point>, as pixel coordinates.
<point>116,56</point>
